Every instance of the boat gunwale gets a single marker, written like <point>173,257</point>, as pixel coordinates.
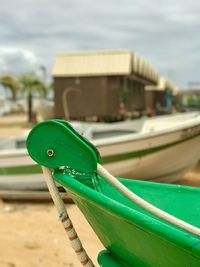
<point>143,136</point>
<point>110,141</point>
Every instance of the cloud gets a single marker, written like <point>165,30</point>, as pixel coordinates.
<point>15,60</point>
<point>164,32</point>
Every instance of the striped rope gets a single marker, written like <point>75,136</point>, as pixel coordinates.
<point>64,218</point>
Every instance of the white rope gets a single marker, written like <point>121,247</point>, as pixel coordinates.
<point>67,224</point>
<point>144,204</point>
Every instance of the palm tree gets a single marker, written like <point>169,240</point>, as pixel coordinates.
<point>30,84</point>
<point>10,82</point>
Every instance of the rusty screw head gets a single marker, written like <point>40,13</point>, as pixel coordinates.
<point>50,152</point>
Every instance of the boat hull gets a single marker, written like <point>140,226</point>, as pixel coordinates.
<point>165,165</point>
<point>19,171</point>
<point>155,155</point>
<point>132,236</point>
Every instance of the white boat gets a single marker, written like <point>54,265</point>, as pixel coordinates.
<point>160,149</point>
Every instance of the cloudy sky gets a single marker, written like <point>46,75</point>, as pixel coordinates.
<point>165,33</point>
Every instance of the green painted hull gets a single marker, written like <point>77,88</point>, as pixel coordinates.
<point>132,236</point>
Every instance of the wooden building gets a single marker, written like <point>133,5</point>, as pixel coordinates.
<point>100,85</point>
<point>161,99</point>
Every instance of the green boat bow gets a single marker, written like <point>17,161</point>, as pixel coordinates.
<point>131,235</point>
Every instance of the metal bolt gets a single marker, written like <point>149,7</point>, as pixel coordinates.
<point>50,152</point>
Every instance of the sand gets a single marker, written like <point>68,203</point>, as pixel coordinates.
<point>192,177</point>
<point>32,236</point>
<point>14,125</point>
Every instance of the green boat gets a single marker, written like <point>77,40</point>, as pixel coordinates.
<point>132,236</point>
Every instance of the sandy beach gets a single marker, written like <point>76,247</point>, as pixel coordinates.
<point>31,234</point>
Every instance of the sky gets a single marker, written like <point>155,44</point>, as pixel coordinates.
<point>165,33</point>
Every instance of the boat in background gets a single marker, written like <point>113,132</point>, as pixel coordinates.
<point>17,170</point>
<point>160,149</point>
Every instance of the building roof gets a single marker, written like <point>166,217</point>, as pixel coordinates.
<point>101,63</point>
<point>163,84</point>
<point>191,91</point>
